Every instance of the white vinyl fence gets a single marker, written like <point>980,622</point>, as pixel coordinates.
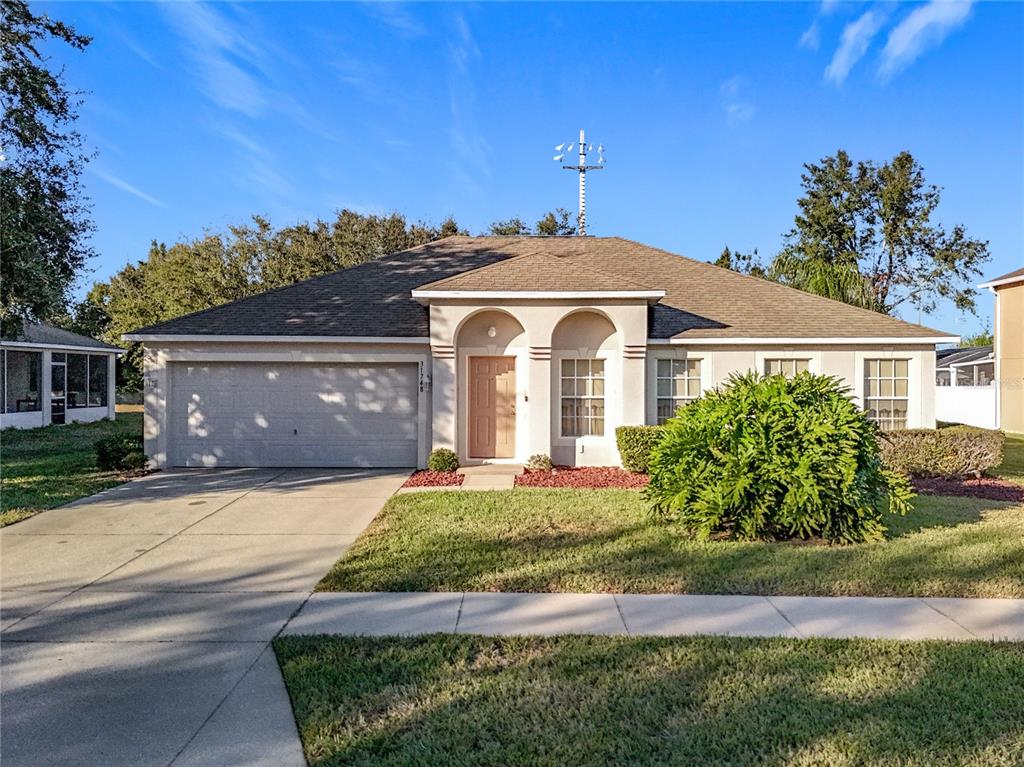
<point>972,405</point>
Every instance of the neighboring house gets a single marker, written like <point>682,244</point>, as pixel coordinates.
<point>500,348</point>
<point>1009,349</point>
<point>966,390</point>
<point>970,366</point>
<point>51,375</point>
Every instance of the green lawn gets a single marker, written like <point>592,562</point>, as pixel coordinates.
<point>606,541</point>
<point>458,700</point>
<point>1013,458</point>
<point>43,468</point>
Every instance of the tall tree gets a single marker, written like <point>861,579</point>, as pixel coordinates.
<point>44,216</point>
<point>864,234</point>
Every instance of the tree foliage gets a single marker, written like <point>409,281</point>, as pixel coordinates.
<point>744,263</point>
<point>865,234</point>
<point>44,216</point>
<point>219,267</point>
<point>554,223</point>
<point>771,457</point>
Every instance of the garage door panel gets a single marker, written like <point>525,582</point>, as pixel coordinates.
<point>294,415</point>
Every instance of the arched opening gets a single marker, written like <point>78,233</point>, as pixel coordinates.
<point>491,354</point>
<point>586,369</point>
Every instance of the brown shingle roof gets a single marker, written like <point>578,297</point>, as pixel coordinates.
<point>535,272</point>
<point>1009,276</point>
<point>702,301</point>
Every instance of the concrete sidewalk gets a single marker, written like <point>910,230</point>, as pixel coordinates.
<point>659,615</point>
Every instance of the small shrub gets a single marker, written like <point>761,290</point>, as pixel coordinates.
<point>120,453</point>
<point>635,445</point>
<point>540,462</point>
<point>954,452</point>
<point>770,457</point>
<point>443,459</point>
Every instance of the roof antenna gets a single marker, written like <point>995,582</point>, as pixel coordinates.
<point>581,167</point>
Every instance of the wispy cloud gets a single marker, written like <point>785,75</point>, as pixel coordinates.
<point>230,63</point>
<point>124,186</point>
<point>857,36</point>
<point>811,38</point>
<point>257,163</point>
<point>469,146</point>
<point>397,17</point>
<point>924,28</point>
<point>737,106</point>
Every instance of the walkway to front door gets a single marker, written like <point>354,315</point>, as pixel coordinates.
<point>492,407</point>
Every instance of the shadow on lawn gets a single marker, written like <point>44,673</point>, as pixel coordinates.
<point>934,552</point>
<point>620,701</point>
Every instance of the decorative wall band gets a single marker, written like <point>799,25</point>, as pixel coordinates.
<point>635,352</point>
<point>540,353</point>
<point>443,352</point>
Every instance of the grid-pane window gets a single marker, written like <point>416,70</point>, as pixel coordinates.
<point>787,367</point>
<point>886,387</point>
<point>582,387</point>
<point>97,380</point>
<point>678,383</point>
<point>78,380</point>
<point>22,373</point>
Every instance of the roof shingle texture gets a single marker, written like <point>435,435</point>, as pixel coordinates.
<point>44,333</point>
<point>701,301</point>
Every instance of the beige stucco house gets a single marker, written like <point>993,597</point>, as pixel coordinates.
<point>500,348</point>
<point>1009,349</point>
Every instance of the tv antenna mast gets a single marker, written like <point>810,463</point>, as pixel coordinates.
<point>581,167</point>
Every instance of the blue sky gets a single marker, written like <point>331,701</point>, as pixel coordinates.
<point>205,114</point>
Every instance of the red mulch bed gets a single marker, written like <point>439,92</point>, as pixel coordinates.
<point>434,479</point>
<point>989,488</point>
<point>582,477</point>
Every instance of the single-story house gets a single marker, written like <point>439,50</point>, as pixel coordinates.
<point>499,348</point>
<point>51,375</point>
<point>1008,330</point>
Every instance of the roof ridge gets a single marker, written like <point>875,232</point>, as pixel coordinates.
<point>532,254</point>
<point>772,284</point>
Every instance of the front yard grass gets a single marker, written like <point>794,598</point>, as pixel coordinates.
<point>1012,466</point>
<point>606,541</point>
<point>54,465</point>
<point>705,701</point>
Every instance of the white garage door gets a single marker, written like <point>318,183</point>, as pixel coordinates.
<point>264,414</point>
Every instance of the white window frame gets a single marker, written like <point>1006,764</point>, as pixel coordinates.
<point>661,353</point>
<point>603,396</point>
<point>893,397</point>
<point>813,358</point>
<point>677,401</point>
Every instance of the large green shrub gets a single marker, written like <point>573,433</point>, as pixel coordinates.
<point>770,457</point>
<point>953,452</point>
<point>443,459</point>
<point>120,453</point>
<point>635,445</point>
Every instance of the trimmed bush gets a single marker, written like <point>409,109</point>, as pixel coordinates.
<point>635,445</point>
<point>770,457</point>
<point>443,459</point>
<point>120,453</point>
<point>954,452</point>
<point>540,462</point>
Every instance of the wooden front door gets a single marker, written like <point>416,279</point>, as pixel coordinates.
<point>492,407</point>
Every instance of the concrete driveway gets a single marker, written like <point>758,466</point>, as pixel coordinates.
<point>136,623</point>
